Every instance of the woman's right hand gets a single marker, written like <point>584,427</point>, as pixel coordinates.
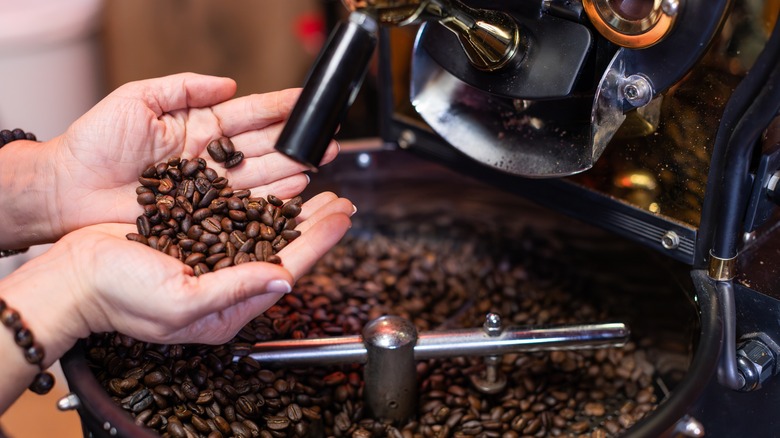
<point>95,280</point>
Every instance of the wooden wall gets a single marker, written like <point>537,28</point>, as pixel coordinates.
<point>256,42</point>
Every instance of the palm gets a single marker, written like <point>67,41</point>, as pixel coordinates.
<point>129,281</point>
<point>105,151</point>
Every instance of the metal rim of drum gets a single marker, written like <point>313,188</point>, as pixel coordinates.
<point>633,34</point>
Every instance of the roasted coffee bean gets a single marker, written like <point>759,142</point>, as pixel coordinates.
<point>146,198</point>
<point>143,225</point>
<point>189,168</point>
<point>185,204</point>
<point>149,182</point>
<point>210,224</point>
<point>278,423</point>
<point>246,407</point>
<point>234,160</point>
<point>240,430</point>
<point>137,238</point>
<point>216,152</point>
<point>176,430</point>
<point>185,190</point>
<point>290,210</point>
<point>290,235</point>
<point>166,185</point>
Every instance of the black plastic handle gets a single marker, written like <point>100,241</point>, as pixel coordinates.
<point>329,91</point>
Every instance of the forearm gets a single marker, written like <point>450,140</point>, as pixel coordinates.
<point>26,189</point>
<point>49,312</point>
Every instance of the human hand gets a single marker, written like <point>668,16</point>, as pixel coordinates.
<point>95,280</point>
<point>89,173</point>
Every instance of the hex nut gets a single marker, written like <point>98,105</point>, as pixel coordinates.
<point>757,364</point>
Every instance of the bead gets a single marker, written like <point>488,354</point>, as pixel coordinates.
<point>2,305</point>
<point>18,134</point>
<point>23,337</point>
<point>43,383</point>
<point>10,318</point>
<point>34,354</point>
<point>6,136</point>
<point>30,136</point>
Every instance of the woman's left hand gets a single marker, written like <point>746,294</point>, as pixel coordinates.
<point>89,174</point>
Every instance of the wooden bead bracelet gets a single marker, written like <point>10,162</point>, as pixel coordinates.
<point>33,351</point>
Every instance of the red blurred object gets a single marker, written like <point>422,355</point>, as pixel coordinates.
<point>310,30</point>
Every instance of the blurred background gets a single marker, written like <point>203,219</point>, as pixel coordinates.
<point>58,58</point>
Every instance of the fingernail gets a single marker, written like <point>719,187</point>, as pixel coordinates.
<point>338,146</point>
<point>308,178</point>
<point>279,287</point>
<point>354,210</point>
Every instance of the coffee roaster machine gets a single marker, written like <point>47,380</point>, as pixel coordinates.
<point>654,120</point>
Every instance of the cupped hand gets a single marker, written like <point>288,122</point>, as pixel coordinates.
<point>100,157</point>
<point>95,280</point>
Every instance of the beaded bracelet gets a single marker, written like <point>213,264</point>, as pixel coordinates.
<point>7,136</point>
<point>33,351</point>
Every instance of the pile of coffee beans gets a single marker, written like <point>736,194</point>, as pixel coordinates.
<point>192,213</point>
<point>439,277</point>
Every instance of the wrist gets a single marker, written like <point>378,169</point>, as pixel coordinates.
<point>41,293</point>
<point>26,188</point>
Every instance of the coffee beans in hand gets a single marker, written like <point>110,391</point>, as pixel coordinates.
<point>191,213</point>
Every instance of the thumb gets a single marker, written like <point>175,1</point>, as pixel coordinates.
<point>228,287</point>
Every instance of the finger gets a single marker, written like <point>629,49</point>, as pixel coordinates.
<point>335,206</point>
<point>258,143</point>
<point>222,326</point>
<point>263,170</point>
<point>233,286</point>
<point>282,189</point>
<point>302,253</point>
<point>179,91</point>
<point>315,203</point>
<point>256,111</point>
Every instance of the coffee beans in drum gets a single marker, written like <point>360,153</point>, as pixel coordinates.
<point>438,278</point>
<point>193,214</point>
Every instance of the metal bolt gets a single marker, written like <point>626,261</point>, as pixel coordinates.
<point>670,240</point>
<point>407,139</point>
<point>637,90</point>
<point>670,7</point>
<point>756,362</point>
<point>69,403</point>
<point>492,324</point>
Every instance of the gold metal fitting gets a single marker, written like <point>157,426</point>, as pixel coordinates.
<point>645,24</point>
<point>722,269</point>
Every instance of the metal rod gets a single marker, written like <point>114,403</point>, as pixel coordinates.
<point>446,343</point>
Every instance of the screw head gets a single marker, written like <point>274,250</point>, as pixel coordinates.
<point>670,240</point>
<point>637,90</point>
